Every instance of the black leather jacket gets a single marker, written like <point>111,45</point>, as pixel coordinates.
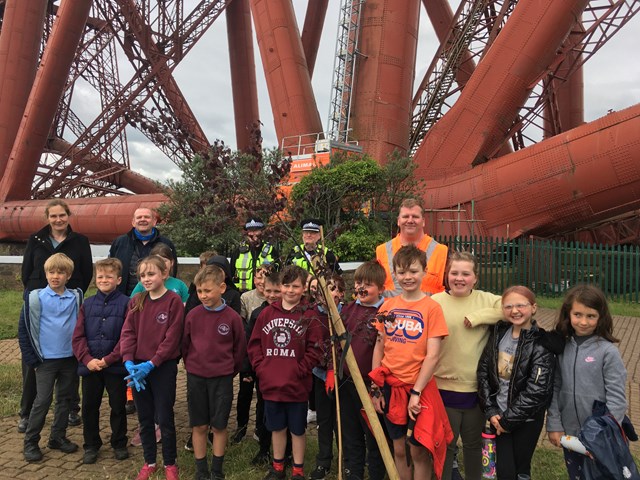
<point>531,384</point>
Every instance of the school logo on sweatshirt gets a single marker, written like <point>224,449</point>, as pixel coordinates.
<point>224,329</point>
<point>162,317</point>
<point>281,337</point>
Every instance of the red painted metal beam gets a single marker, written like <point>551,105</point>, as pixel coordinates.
<point>312,31</point>
<point>243,71</point>
<point>100,219</point>
<point>476,125</point>
<point>383,89</point>
<point>43,100</point>
<point>293,104</point>
<point>22,28</point>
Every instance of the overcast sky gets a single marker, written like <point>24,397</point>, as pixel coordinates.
<point>612,81</point>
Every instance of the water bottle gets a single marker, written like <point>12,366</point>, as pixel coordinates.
<point>488,454</point>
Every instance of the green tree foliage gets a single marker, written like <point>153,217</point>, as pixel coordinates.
<point>208,206</point>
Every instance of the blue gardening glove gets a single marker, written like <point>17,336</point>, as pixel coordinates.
<point>130,366</point>
<point>135,381</point>
<point>144,369</point>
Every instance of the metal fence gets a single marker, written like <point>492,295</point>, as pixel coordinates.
<point>550,268</point>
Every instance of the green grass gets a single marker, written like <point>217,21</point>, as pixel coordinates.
<point>10,305</point>
<point>10,388</point>
<point>616,307</point>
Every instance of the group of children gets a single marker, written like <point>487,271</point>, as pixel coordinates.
<point>436,367</point>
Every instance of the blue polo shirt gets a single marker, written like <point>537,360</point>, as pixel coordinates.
<point>57,322</point>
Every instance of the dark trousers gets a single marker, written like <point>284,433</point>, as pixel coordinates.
<point>58,374</point>
<point>574,462</point>
<point>93,387</point>
<point>326,419</point>
<point>264,435</point>
<point>155,404</point>
<point>29,391</point>
<point>514,450</point>
<point>357,439</point>
<point>245,396</point>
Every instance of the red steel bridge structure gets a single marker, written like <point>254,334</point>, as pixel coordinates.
<point>496,125</point>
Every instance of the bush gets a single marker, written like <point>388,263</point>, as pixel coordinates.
<point>360,242</point>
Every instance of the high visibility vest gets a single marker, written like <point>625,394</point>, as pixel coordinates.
<point>436,253</point>
<point>246,265</point>
<point>302,258</point>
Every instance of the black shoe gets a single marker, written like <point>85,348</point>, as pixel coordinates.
<point>188,446</point>
<point>272,474</point>
<point>297,477</point>
<point>202,475</point>
<point>237,436</point>
<point>130,407</point>
<point>74,419</point>
<point>32,452</point>
<point>216,476</point>
<point>455,474</point>
<point>23,424</point>
<point>121,453</point>
<point>319,473</point>
<point>63,444</point>
<point>261,459</point>
<point>89,457</point>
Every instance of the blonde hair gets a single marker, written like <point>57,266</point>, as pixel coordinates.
<point>110,264</point>
<point>59,262</point>
<point>210,272</point>
<point>151,260</point>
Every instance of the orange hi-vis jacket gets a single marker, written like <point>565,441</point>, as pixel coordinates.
<point>433,281</point>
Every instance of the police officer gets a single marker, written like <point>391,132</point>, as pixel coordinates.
<point>301,255</point>
<point>250,254</point>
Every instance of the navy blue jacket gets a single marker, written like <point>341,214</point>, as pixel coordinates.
<point>29,326</point>
<point>97,332</point>
<point>124,246</point>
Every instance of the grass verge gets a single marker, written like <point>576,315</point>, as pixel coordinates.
<point>10,388</point>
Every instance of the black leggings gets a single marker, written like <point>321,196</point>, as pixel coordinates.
<point>514,450</point>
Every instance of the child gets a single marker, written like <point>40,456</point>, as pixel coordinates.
<point>590,368</point>
<point>404,359</point>
<point>468,313</point>
<point>515,390</point>
<point>283,351</point>
<point>150,347</point>
<point>174,284</point>
<point>96,345</point>
<point>46,325</point>
<point>249,302</point>
<point>231,295</point>
<point>272,293</point>
<point>359,319</point>
<point>325,405</point>
<point>213,347</point>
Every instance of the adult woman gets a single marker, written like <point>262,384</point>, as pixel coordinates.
<point>56,237</point>
<point>468,312</point>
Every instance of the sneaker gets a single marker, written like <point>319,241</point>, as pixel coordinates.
<point>312,417</point>
<point>171,472</point>
<point>262,459</point>
<point>130,407</point>
<point>136,441</point>
<point>455,474</point>
<point>121,453</point>
<point>319,473</point>
<point>74,419</point>
<point>23,424</point>
<point>188,446</point>
<point>146,471</point>
<point>89,457</point>
<point>63,444</point>
<point>273,474</point>
<point>32,452</point>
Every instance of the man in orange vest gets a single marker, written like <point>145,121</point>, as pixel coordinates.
<point>411,225</point>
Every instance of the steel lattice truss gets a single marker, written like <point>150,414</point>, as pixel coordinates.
<point>475,25</point>
<point>154,37</point>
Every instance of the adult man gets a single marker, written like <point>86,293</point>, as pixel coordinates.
<point>136,244</point>
<point>301,255</point>
<point>411,225</point>
<point>251,254</point>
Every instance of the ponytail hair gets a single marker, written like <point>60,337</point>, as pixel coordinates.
<point>143,266</point>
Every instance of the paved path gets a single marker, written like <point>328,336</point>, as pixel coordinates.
<point>60,466</point>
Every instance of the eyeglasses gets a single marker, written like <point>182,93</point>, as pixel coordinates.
<point>517,306</point>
